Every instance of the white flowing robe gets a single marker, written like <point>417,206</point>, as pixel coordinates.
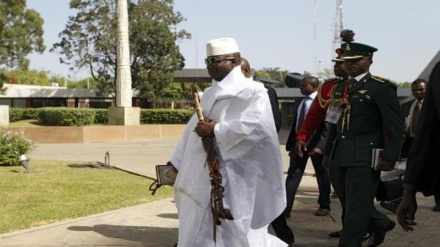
<point>250,159</point>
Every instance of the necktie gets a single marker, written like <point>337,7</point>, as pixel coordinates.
<point>351,82</point>
<point>415,116</point>
<point>302,114</point>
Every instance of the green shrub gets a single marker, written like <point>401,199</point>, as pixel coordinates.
<point>15,114</point>
<point>58,116</point>
<point>12,145</point>
<point>101,116</point>
<point>31,113</point>
<point>61,116</point>
<point>165,116</point>
<point>289,119</point>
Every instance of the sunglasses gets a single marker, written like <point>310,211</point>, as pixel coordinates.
<point>215,60</point>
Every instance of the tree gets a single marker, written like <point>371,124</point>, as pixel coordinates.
<point>261,73</point>
<point>25,77</point>
<point>3,78</point>
<point>89,39</point>
<point>83,83</point>
<point>273,73</point>
<point>406,84</point>
<point>326,74</point>
<point>21,33</point>
<point>306,73</point>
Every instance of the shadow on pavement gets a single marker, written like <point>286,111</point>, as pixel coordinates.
<point>149,236</point>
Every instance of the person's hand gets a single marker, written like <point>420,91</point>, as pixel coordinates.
<point>385,165</point>
<point>205,128</point>
<point>315,151</point>
<point>299,147</point>
<point>406,210</point>
<point>325,162</point>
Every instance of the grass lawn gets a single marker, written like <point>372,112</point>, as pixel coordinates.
<point>25,123</point>
<point>53,192</point>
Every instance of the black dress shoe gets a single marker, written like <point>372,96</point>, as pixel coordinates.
<point>336,234</point>
<point>322,211</point>
<point>377,238</point>
<point>390,205</point>
<point>366,236</point>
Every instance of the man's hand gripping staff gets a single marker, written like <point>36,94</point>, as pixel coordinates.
<point>205,129</point>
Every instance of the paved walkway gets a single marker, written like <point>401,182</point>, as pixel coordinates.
<point>155,224</point>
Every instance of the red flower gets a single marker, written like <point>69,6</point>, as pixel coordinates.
<point>347,35</point>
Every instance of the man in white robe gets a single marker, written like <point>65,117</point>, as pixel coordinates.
<point>246,143</point>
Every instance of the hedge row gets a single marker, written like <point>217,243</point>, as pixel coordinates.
<point>17,114</point>
<point>59,116</point>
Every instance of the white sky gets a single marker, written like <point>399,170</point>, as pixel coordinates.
<point>280,33</point>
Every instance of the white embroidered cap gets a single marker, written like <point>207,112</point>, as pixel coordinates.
<point>221,46</point>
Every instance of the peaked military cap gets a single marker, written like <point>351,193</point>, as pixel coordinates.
<point>352,50</point>
<point>338,57</point>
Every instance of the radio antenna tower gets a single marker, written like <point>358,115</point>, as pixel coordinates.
<point>338,25</point>
<point>315,63</point>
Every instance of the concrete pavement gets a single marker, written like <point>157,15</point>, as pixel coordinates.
<point>155,223</point>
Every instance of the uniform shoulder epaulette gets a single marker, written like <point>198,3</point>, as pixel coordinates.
<point>325,91</point>
<point>332,80</point>
<point>328,85</point>
<point>380,79</point>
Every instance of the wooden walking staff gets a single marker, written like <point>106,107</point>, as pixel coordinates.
<point>217,207</point>
<point>199,109</point>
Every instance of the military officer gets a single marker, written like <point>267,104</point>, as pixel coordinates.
<point>316,115</point>
<point>367,113</point>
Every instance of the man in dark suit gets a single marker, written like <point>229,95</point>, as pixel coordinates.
<point>418,89</point>
<point>279,225</point>
<point>409,109</point>
<point>316,145</point>
<point>273,97</point>
<point>367,113</point>
<point>422,169</point>
<point>410,114</point>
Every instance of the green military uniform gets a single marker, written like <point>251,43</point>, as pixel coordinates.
<point>370,119</point>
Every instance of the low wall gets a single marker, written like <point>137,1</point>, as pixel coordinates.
<point>87,134</point>
<point>4,115</point>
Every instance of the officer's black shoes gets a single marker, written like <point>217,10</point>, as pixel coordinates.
<point>391,205</point>
<point>322,211</point>
<point>378,237</point>
<point>337,234</point>
<point>436,208</point>
<point>366,236</point>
